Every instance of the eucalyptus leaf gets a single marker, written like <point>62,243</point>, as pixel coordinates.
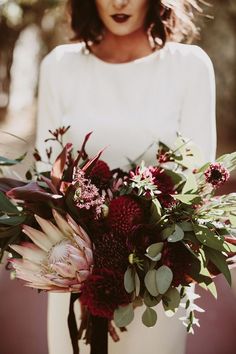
<point>186,226</point>
<point>177,235</point>
<point>187,198</point>
<point>164,277</point>
<point>149,317</point>
<point>171,299</point>
<point>208,237</point>
<point>6,206</point>
<point>150,300</point>
<point>129,281</point>
<point>190,185</point>
<point>168,231</point>
<point>137,284</point>
<point>155,250</point>
<point>124,315</point>
<point>150,282</point>
<point>219,260</point>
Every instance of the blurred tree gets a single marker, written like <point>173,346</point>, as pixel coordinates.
<point>15,16</point>
<point>219,40</point>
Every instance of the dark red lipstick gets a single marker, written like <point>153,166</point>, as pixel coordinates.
<point>120,18</point>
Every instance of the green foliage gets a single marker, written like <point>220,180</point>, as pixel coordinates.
<point>149,317</point>
<point>164,277</point>
<point>171,299</point>
<point>150,282</point>
<point>6,206</point>
<point>124,315</point>
<point>9,162</point>
<point>208,237</point>
<point>154,251</point>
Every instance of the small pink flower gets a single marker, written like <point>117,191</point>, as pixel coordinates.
<point>216,174</point>
<point>87,194</point>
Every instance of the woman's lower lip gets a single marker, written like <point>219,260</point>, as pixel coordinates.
<point>120,19</point>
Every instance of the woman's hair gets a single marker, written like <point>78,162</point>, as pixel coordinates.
<point>175,24</point>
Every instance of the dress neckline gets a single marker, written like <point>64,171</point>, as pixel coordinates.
<point>144,59</point>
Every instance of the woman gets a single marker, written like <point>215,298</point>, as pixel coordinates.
<point>132,83</point>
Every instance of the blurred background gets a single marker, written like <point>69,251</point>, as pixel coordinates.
<point>29,29</point>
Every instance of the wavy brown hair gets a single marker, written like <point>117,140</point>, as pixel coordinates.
<point>175,24</point>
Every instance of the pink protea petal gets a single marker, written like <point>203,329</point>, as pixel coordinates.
<point>58,260</point>
<point>80,242</point>
<point>25,265</point>
<point>38,237</point>
<point>78,262</point>
<point>62,224</point>
<point>64,282</point>
<point>76,287</point>
<point>79,231</point>
<point>89,255</point>
<point>32,253</point>
<point>83,275</point>
<point>53,233</point>
<point>63,269</point>
<point>75,251</point>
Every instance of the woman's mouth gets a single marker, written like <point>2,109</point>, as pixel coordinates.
<point>120,18</point>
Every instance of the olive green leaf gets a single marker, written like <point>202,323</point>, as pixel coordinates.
<point>149,317</point>
<point>171,299</point>
<point>129,281</point>
<point>177,235</point>
<point>124,315</point>
<point>164,277</point>
<point>150,282</point>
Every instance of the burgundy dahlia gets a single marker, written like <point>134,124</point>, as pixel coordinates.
<point>124,214</point>
<point>100,174</point>
<point>103,292</point>
<point>216,174</point>
<point>165,185</point>
<point>182,263</point>
<point>111,252</point>
<point>142,237</point>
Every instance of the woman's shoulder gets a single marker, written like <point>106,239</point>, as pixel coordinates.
<point>190,55</point>
<point>65,54</point>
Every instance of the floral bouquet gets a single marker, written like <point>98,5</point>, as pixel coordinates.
<point>120,239</point>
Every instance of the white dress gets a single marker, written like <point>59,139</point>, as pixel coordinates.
<point>128,106</point>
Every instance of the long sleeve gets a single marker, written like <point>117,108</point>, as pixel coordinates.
<point>198,114</point>
<point>49,111</point>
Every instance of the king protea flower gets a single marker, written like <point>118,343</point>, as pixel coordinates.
<point>60,257</point>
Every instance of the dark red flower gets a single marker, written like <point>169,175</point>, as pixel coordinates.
<point>100,174</point>
<point>164,184</point>
<point>216,174</point>
<point>142,237</point>
<point>182,263</point>
<point>111,252</point>
<point>103,292</point>
<point>124,214</point>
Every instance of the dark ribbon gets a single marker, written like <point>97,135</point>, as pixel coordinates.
<point>98,328</point>
<point>99,335</point>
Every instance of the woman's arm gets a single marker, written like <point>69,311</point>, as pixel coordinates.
<point>198,114</point>
<point>49,108</point>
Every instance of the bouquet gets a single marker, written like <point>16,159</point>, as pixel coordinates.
<point>120,239</point>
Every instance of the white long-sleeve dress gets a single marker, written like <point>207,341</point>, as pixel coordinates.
<point>128,106</point>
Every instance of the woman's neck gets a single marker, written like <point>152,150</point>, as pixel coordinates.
<point>121,49</point>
